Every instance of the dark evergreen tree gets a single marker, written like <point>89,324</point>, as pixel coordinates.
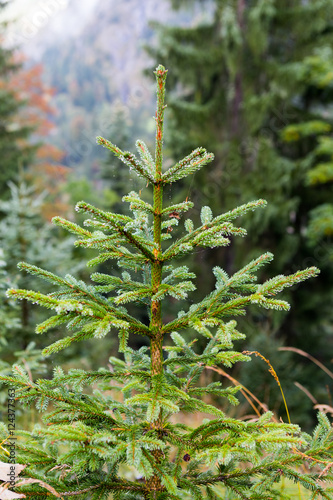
<point>311,141</point>
<point>135,445</point>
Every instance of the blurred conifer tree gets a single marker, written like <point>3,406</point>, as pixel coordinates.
<point>14,150</point>
<point>24,234</point>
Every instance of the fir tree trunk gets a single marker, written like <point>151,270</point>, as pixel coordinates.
<point>154,483</point>
<point>156,318</point>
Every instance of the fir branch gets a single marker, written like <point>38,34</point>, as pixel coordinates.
<point>34,297</point>
<point>101,241</point>
<point>146,157</point>
<point>118,485</point>
<point>179,207</point>
<point>87,296</point>
<point>278,283</point>
<point>187,361</point>
<point>252,266</point>
<point>52,322</point>
<point>112,220</point>
<point>61,344</point>
<point>122,255</point>
<point>196,405</point>
<point>142,169</point>
<point>135,295</point>
<point>41,273</point>
<point>188,165</point>
<point>71,227</point>
<point>77,376</point>
<point>137,204</point>
<point>207,231</point>
<point>241,210</point>
<point>265,468</point>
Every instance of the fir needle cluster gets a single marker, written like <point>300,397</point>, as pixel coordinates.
<point>99,446</point>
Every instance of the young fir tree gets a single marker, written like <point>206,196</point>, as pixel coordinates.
<point>91,436</point>
<point>26,235</point>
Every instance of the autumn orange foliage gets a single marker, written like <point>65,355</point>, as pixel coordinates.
<point>48,171</point>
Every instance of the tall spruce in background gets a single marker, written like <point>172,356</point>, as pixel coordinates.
<point>14,151</point>
<point>311,142</point>
<point>241,74</point>
<point>134,443</point>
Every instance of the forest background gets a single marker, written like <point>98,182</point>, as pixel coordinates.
<point>251,82</point>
